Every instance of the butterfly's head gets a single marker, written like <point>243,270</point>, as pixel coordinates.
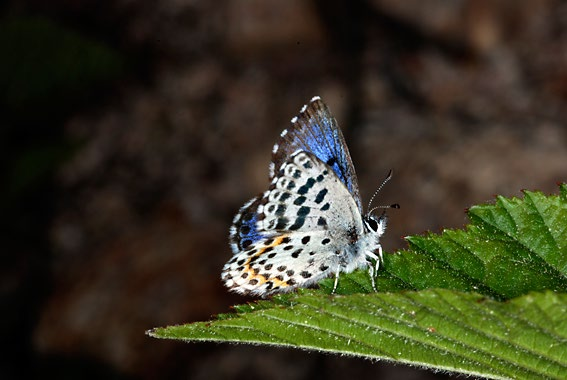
<point>375,224</point>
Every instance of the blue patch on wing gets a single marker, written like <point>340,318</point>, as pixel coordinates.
<point>246,226</point>
<point>315,131</point>
<point>325,143</point>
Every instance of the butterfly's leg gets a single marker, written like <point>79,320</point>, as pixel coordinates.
<point>373,269</point>
<point>371,272</point>
<point>380,258</point>
<point>336,279</point>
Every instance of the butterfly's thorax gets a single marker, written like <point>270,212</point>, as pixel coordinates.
<point>357,253</point>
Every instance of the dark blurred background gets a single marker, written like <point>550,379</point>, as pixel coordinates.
<point>132,131</point>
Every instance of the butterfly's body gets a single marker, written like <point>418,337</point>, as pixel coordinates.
<point>309,223</point>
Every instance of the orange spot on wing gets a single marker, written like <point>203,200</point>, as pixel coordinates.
<point>261,279</point>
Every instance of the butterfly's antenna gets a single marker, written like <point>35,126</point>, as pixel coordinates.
<point>395,205</point>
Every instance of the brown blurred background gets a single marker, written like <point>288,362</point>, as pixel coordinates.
<point>132,131</point>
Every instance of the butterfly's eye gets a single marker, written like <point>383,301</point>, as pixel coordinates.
<point>372,223</point>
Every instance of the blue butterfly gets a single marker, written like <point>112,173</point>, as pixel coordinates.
<point>309,224</point>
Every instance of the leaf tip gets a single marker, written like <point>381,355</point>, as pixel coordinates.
<point>152,332</point>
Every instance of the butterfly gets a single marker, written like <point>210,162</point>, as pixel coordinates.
<point>309,224</point>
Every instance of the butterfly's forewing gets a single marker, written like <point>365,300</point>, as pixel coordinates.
<point>316,131</point>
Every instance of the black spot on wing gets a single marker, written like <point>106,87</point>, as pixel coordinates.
<point>282,223</point>
<point>305,188</point>
<point>303,211</point>
<point>301,216</point>
<point>296,253</point>
<point>307,165</point>
<point>305,274</point>
<point>299,222</point>
<point>321,195</point>
<point>284,197</point>
<point>280,210</point>
<point>299,200</point>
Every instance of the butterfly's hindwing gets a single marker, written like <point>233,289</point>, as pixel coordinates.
<point>282,264</point>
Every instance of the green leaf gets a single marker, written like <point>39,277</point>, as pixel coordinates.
<point>510,248</point>
<point>437,328</point>
<point>489,300</point>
